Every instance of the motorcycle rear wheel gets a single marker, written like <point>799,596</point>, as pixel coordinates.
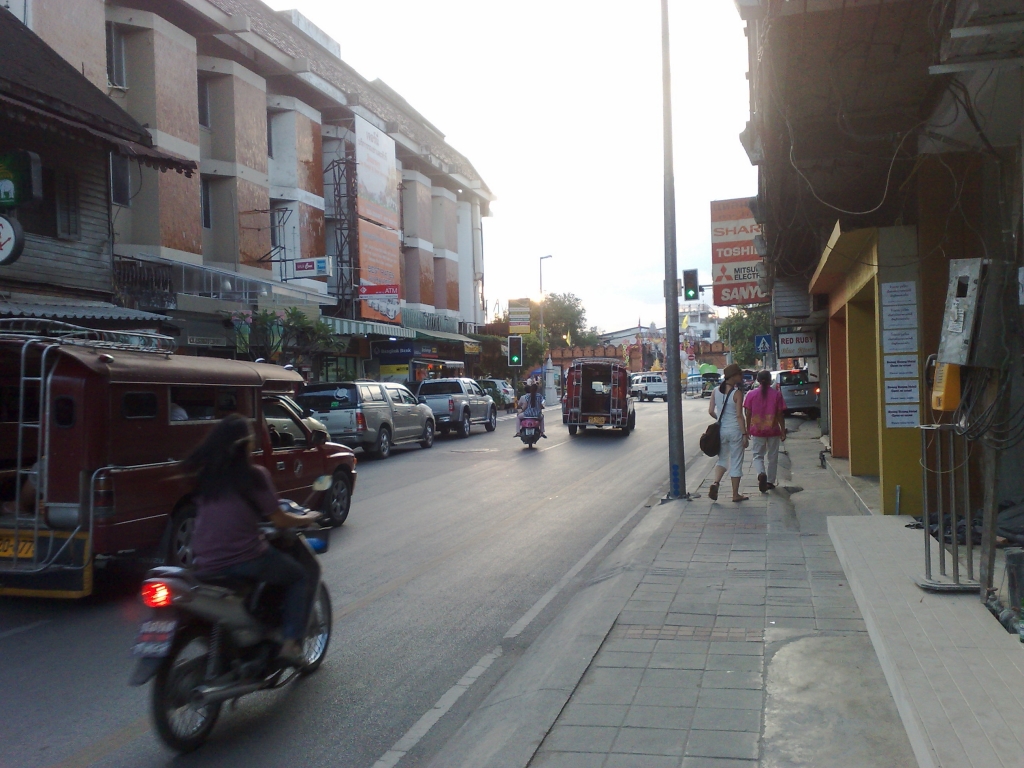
<point>180,723</point>
<point>318,635</point>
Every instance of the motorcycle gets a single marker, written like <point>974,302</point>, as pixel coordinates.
<point>215,639</point>
<point>529,431</point>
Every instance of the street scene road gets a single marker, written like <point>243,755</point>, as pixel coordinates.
<point>445,551</point>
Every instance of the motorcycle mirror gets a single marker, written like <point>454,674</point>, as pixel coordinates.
<point>322,483</point>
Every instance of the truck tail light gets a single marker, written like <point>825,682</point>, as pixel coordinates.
<point>360,422</point>
<point>103,492</point>
<point>817,390</point>
<point>156,594</point>
<point>451,405</point>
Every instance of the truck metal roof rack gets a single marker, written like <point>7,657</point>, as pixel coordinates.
<point>64,333</point>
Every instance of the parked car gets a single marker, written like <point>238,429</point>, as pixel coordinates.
<point>649,386</point>
<point>799,393</point>
<point>458,404</point>
<point>93,427</point>
<point>370,415</point>
<point>501,391</point>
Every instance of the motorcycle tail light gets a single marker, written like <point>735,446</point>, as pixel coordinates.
<point>360,422</point>
<point>156,594</point>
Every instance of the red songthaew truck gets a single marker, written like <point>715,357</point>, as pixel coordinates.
<point>597,396</point>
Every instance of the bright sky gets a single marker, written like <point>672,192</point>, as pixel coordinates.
<point>558,106</point>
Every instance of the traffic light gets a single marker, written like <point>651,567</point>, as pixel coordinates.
<point>515,351</point>
<point>691,285</point>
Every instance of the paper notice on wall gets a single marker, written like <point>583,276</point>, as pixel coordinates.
<point>899,316</point>
<point>902,340</point>
<point>902,416</point>
<point>898,293</point>
<point>902,391</point>
<point>900,367</point>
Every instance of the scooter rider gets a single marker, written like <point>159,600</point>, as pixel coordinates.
<point>233,496</point>
<point>531,406</point>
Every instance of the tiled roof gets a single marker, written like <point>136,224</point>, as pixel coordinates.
<point>278,32</point>
<point>75,311</point>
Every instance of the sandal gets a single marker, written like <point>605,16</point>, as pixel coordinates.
<point>713,492</point>
<point>737,499</point>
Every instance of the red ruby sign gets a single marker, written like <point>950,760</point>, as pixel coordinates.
<point>734,259</point>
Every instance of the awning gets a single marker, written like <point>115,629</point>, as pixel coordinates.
<point>343,327</point>
<point>70,310</point>
<point>444,336</point>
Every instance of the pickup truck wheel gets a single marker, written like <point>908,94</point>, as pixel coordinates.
<point>383,448</point>
<point>179,544</point>
<point>428,435</point>
<point>465,426</point>
<point>338,499</point>
<point>572,429</point>
<point>492,420</point>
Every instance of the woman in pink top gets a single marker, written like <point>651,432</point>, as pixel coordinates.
<point>765,410</point>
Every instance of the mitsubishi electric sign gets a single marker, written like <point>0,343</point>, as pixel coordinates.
<point>734,260</point>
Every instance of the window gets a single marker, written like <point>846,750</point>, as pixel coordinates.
<point>66,194</point>
<point>115,56</point>
<point>440,388</point>
<point>120,179</point>
<point>204,201</point>
<point>64,412</point>
<point>407,397</point>
<point>139,405</point>
<point>201,403</point>
<point>395,394</point>
<point>285,430</point>
<point>270,134</point>
<point>204,102</point>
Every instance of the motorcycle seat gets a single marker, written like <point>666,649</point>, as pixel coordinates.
<point>237,584</point>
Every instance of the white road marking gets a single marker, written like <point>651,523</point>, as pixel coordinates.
<point>19,630</point>
<point>422,726</point>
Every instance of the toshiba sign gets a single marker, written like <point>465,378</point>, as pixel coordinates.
<point>734,259</point>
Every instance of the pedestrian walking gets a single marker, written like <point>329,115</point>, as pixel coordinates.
<point>765,411</point>
<point>726,405</point>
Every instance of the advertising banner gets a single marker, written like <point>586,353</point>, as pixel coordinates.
<point>376,174</point>
<point>379,256</point>
<point>318,267</point>
<point>734,261</point>
<point>518,316</point>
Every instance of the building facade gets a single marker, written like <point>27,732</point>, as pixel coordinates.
<point>277,216</point>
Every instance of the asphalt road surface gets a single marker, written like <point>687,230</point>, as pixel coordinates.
<point>444,554</point>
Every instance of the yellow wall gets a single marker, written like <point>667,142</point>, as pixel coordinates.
<point>862,389</point>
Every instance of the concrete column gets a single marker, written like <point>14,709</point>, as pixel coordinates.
<point>838,403</point>
<point>479,296</point>
<point>862,377</point>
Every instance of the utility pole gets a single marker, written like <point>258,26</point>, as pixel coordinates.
<point>676,455</point>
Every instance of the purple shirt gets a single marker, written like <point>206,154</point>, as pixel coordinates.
<point>765,405</point>
<point>227,527</point>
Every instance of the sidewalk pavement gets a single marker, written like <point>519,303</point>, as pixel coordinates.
<point>741,644</point>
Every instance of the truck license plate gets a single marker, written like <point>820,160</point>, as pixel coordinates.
<point>596,420</point>
<point>26,547</point>
<point>799,392</point>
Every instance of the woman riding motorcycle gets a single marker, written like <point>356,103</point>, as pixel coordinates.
<point>233,497</point>
<point>531,406</point>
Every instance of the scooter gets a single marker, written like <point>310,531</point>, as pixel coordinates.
<point>212,640</point>
<point>529,431</point>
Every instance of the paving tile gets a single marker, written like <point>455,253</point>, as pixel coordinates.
<point>857,625</point>
<point>730,744</point>
<point>730,698</point>
<point>650,741</point>
<point>671,678</point>
<point>603,694</point>
<point>740,649</point>
<point>593,714</point>
<point>627,678</point>
<point>629,645</point>
<point>621,659</point>
<point>580,738</point>
<point>566,760</point>
<point>687,619</point>
<point>682,646</point>
<point>641,617</point>
<point>790,622</point>
<point>687,605</point>
<point>647,605</point>
<point>732,679</point>
<point>659,717</point>
<point>641,761</point>
<point>723,719</point>
<point>745,622</point>
<point>665,697</point>
<point>715,762</point>
<point>736,609</point>
<point>794,611</point>
<point>677,661</point>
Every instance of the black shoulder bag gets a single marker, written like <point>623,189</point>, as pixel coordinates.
<point>711,440</point>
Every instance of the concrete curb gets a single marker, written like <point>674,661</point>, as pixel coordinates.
<point>506,730</point>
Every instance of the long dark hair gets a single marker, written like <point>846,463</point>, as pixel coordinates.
<point>222,464</point>
<point>764,378</point>
<point>532,391</point>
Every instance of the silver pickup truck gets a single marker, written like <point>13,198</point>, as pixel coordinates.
<point>458,404</point>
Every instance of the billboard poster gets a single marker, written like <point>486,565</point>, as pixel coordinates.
<point>379,271</point>
<point>734,261</point>
<point>798,344</point>
<point>376,175</point>
<point>518,316</point>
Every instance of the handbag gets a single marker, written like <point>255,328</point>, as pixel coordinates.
<point>711,440</point>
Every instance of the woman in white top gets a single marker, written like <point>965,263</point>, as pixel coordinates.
<point>733,431</point>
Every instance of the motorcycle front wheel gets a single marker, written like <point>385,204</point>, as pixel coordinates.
<point>318,635</point>
<point>182,724</point>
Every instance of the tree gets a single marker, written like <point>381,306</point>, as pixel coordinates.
<point>741,327</point>
<point>284,335</point>
<point>494,361</point>
<point>565,321</point>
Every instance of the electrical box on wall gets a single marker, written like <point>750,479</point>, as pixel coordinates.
<point>961,308</point>
<point>946,390</point>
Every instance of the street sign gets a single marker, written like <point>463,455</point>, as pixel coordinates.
<point>763,343</point>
